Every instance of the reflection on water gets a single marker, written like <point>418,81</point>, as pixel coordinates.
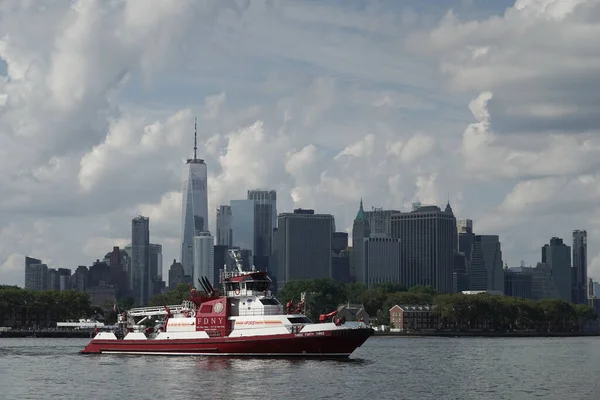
<point>384,368</point>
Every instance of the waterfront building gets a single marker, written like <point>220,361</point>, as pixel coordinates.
<point>224,232</point>
<point>486,268</point>
<point>413,317</point>
<point>140,259</point>
<point>381,260</point>
<point>360,232</point>
<point>557,256</point>
<point>36,274</point>
<point>303,246</point>
<point>242,224</point>
<point>380,221</point>
<point>265,221</point>
<point>580,293</point>
<point>204,258</point>
<point>177,275</point>
<point>518,282</point>
<point>428,238</point>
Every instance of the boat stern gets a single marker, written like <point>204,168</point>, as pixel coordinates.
<point>93,346</point>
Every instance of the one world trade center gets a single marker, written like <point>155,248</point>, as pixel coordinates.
<point>194,207</point>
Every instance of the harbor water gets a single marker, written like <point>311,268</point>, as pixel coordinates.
<point>383,368</point>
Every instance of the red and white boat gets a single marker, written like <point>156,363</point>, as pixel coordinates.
<point>246,321</point>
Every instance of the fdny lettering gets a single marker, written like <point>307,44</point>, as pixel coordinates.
<point>212,321</point>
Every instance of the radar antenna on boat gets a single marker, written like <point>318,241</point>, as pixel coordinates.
<point>236,255</point>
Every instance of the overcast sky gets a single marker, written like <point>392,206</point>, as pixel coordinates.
<point>492,103</point>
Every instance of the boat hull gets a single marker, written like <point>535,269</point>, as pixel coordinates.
<point>325,344</point>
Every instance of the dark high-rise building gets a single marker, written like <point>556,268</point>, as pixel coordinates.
<point>53,280</point>
<point>340,242</point>
<point>486,267</point>
<point>117,264</point>
<point>155,270</point>
<point>177,275</point>
<point>428,238</point>
<point>360,231</point>
<point>518,282</point>
<point>224,231</point>
<point>36,274</point>
<point>64,278</point>
<point>380,221</point>
<point>99,274</point>
<point>303,246</point>
<point>265,220</point>
<point>381,260</point>
<point>557,257</point>
<point>579,293</point>
<point>460,279</point>
<point>79,280</point>
<point>340,262</point>
<point>221,257</point>
<point>140,259</point>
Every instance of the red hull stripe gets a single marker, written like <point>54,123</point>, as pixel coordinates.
<point>338,342</point>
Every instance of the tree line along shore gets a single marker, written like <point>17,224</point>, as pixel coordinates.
<point>456,312</point>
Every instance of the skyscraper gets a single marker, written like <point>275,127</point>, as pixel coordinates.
<point>579,270</point>
<point>486,269</point>
<point>224,232</point>
<point>156,269</point>
<point>557,256</point>
<point>140,259</point>
<point>265,219</point>
<point>204,259</point>
<point>360,231</point>
<point>242,224</point>
<point>194,207</point>
<point>429,240</point>
<point>36,274</point>
<point>303,246</point>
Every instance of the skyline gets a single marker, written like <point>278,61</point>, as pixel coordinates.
<point>323,103</point>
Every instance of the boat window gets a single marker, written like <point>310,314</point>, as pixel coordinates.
<point>300,320</point>
<point>258,286</point>
<point>269,302</point>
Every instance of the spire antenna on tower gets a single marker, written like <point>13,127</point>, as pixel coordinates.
<point>195,136</point>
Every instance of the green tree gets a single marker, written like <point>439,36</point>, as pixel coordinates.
<point>171,297</point>
<point>323,295</point>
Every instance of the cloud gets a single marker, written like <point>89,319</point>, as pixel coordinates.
<point>325,102</point>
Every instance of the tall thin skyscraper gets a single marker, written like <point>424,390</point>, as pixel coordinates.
<point>140,259</point>
<point>224,232</point>
<point>579,279</point>
<point>360,231</point>
<point>265,219</point>
<point>194,207</point>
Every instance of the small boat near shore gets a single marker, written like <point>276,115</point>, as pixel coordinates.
<point>246,320</point>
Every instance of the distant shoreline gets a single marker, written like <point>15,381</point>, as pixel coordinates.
<point>487,334</point>
<point>45,334</point>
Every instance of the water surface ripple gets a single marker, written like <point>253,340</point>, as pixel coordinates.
<point>383,368</point>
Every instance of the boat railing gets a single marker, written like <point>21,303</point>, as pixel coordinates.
<point>160,310</point>
<point>254,312</point>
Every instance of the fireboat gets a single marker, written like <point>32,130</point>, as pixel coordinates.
<point>246,320</point>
